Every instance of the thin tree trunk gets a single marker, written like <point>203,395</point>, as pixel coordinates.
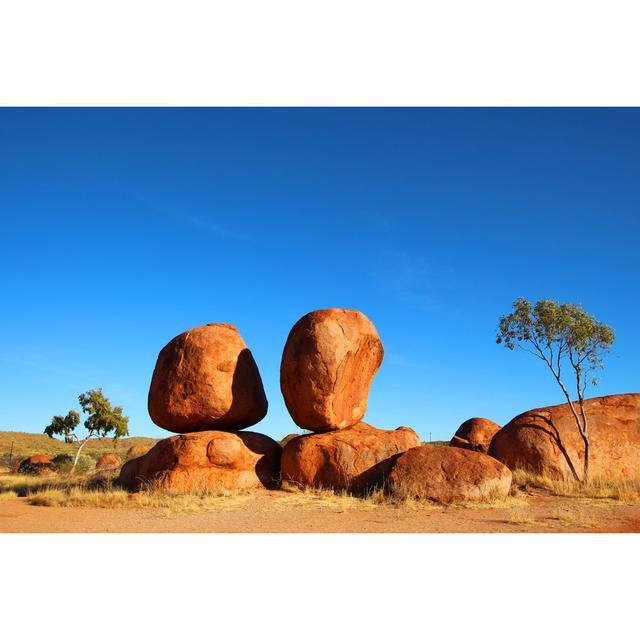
<point>75,461</point>
<point>584,432</point>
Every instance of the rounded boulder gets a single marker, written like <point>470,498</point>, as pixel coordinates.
<point>357,458</point>
<point>205,461</point>
<point>475,434</point>
<point>545,440</point>
<point>448,474</point>
<point>329,361</point>
<point>108,461</point>
<point>206,378</point>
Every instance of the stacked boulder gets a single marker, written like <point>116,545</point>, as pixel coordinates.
<point>206,387</point>
<point>328,364</point>
<point>329,361</point>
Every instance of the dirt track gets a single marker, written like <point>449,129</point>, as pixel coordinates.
<point>263,513</point>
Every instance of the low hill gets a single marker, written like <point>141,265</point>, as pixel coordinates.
<point>16,445</point>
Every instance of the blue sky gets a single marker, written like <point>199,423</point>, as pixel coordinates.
<point>123,227</point>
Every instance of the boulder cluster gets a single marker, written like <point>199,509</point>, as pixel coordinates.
<point>206,388</point>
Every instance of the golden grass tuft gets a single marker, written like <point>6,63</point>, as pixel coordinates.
<point>622,490</point>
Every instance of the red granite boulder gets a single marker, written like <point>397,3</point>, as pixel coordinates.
<point>448,474</point>
<point>532,439</point>
<point>204,379</point>
<point>475,434</point>
<point>328,364</point>
<point>206,461</point>
<point>355,458</point>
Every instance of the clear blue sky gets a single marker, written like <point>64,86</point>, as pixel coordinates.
<point>123,227</point>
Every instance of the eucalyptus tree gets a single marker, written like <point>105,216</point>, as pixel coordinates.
<point>567,339</point>
<point>102,420</point>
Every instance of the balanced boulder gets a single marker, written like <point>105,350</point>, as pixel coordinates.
<point>206,378</point>
<point>475,434</point>
<point>356,458</point>
<point>535,440</point>
<point>108,461</point>
<point>328,364</point>
<point>205,461</point>
<point>448,474</point>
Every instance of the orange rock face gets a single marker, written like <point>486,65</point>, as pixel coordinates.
<point>530,439</point>
<point>475,434</point>
<point>328,364</point>
<point>108,461</point>
<point>206,378</point>
<point>448,474</point>
<point>356,458</point>
<point>207,460</point>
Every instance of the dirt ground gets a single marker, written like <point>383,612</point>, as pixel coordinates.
<point>267,512</point>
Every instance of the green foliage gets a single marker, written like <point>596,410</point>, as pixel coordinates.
<point>64,426</point>
<point>103,418</point>
<point>557,332</point>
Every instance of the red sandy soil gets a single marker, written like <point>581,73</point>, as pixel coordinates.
<point>259,514</point>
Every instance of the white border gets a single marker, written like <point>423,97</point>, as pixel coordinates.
<point>335,52</point>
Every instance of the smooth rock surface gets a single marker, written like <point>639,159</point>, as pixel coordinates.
<point>475,434</point>
<point>530,440</point>
<point>328,364</point>
<point>448,474</point>
<point>356,458</point>
<point>204,379</point>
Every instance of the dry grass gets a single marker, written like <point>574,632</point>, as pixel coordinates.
<point>21,445</point>
<point>8,495</point>
<point>113,498</point>
<point>622,490</point>
<point>520,517</point>
<point>294,497</point>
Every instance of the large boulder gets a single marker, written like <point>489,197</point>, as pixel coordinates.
<point>532,439</point>
<point>108,461</point>
<point>328,364</point>
<point>206,378</point>
<point>356,458</point>
<point>475,434</point>
<point>206,460</point>
<point>39,464</point>
<point>448,474</point>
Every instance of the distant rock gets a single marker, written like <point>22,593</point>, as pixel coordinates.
<point>40,465</point>
<point>355,458</point>
<point>530,440</point>
<point>204,379</point>
<point>108,461</point>
<point>288,438</point>
<point>448,474</point>
<point>137,450</point>
<point>328,364</point>
<point>475,434</point>
<point>206,461</point>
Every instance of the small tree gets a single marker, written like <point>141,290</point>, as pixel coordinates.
<point>102,420</point>
<point>556,334</point>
